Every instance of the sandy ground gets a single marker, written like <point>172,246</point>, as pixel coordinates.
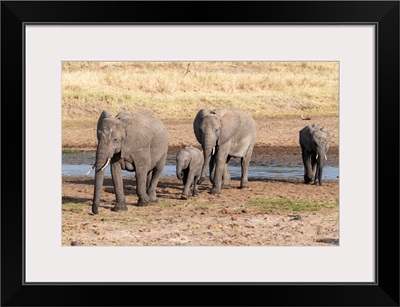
<point>232,218</point>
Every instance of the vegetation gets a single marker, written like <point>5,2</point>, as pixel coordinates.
<point>177,90</point>
<point>274,205</point>
<point>70,150</point>
<point>73,207</point>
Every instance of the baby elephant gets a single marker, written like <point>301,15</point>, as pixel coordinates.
<point>189,162</point>
<point>314,142</point>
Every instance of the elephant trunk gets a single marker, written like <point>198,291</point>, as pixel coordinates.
<point>179,171</point>
<point>99,178</point>
<point>102,161</point>
<point>103,156</point>
<point>208,152</point>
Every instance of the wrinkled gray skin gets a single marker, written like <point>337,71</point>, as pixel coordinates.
<point>189,162</point>
<point>314,143</point>
<point>135,142</point>
<point>231,133</point>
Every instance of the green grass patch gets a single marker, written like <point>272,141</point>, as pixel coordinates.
<point>275,205</point>
<point>70,150</point>
<point>73,207</point>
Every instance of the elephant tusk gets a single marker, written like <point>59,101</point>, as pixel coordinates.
<point>108,161</point>
<point>90,170</point>
<point>213,151</point>
<point>316,157</point>
<point>326,158</point>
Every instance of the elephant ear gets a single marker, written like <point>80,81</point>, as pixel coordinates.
<point>103,115</point>
<point>138,135</point>
<point>125,118</point>
<point>328,138</point>
<point>230,123</point>
<point>197,122</point>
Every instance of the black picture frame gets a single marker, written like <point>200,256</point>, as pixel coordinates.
<point>383,14</point>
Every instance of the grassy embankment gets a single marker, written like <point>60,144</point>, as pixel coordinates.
<point>176,90</point>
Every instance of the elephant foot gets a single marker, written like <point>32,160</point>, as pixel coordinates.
<point>195,193</point>
<point>95,209</point>
<point>215,191</point>
<point>201,180</point>
<point>308,180</point>
<point>226,186</point>
<point>183,196</point>
<point>142,203</point>
<point>244,186</point>
<point>153,200</point>
<point>117,208</point>
<point>152,196</point>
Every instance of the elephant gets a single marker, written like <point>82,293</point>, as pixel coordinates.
<point>136,142</point>
<point>223,134</point>
<point>314,143</point>
<point>189,162</point>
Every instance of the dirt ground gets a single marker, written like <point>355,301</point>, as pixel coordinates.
<point>235,217</point>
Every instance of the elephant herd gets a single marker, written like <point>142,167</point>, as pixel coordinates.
<point>138,142</point>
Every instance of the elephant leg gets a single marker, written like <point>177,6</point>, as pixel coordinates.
<point>149,176</point>
<point>141,191</point>
<point>245,162</point>
<point>307,167</point>
<point>314,169</point>
<point>156,174</point>
<point>116,174</point>
<point>212,169</point>
<point>186,185</point>
<point>219,170</point>
<point>195,187</point>
<point>226,178</point>
<point>191,183</point>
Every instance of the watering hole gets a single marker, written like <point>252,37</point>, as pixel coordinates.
<point>78,164</point>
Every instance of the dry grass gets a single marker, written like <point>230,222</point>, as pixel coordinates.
<point>175,90</point>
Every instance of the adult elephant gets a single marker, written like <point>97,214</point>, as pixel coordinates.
<point>223,134</point>
<point>314,143</point>
<point>136,142</point>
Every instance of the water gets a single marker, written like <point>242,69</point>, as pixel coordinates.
<point>255,171</point>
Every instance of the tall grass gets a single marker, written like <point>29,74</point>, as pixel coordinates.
<point>180,89</point>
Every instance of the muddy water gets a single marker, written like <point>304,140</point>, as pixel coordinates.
<point>78,164</point>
